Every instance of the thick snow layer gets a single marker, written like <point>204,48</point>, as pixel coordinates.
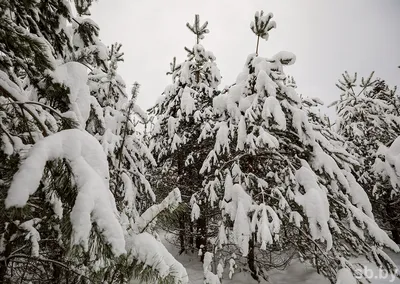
<point>391,166</point>
<point>210,160</point>
<point>170,202</point>
<point>272,108</point>
<point>130,193</point>
<point>187,102</point>
<point>176,141</point>
<point>53,199</point>
<point>265,228</point>
<point>140,112</point>
<point>266,139</point>
<point>241,134</point>
<point>296,272</point>
<point>94,202</point>
<point>373,229</point>
<point>296,218</point>
<point>208,257</point>
<point>237,206</point>
<point>315,204</point>
<point>219,102</point>
<point>285,57</point>
<point>241,228</point>
<point>222,138</point>
<point>211,278</point>
<point>344,276</point>
<point>323,161</point>
<point>172,125</point>
<point>74,76</point>
<point>147,250</point>
<point>195,214</point>
<point>33,235</point>
<point>185,73</point>
<point>358,195</point>
<point>220,270</point>
<point>265,83</point>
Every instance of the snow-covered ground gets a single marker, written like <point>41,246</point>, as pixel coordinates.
<point>297,272</point>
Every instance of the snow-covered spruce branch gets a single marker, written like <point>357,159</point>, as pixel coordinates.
<point>7,92</point>
<point>375,231</point>
<point>31,258</point>
<point>170,202</point>
<point>120,150</point>
<point>39,104</point>
<point>7,133</point>
<point>240,156</point>
<point>94,201</point>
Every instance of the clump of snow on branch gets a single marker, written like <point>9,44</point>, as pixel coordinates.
<point>170,202</point>
<point>391,166</point>
<point>94,202</point>
<point>262,24</point>
<point>209,277</point>
<point>150,252</point>
<point>238,206</point>
<point>33,235</point>
<point>315,204</point>
<point>74,76</point>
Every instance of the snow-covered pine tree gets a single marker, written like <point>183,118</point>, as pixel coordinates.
<point>57,210</point>
<point>369,118</point>
<point>32,36</point>
<point>288,186</point>
<point>113,120</point>
<point>181,118</point>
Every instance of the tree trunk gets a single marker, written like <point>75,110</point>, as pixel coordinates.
<point>201,238</point>
<point>251,258</point>
<point>182,234</point>
<point>191,237</point>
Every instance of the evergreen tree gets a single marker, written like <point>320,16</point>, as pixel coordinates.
<point>113,121</point>
<point>32,35</point>
<point>69,207</point>
<point>288,184</point>
<point>369,119</point>
<point>178,142</point>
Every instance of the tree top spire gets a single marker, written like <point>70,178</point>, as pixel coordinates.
<point>197,29</point>
<point>261,25</point>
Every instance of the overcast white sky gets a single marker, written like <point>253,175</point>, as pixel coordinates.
<point>327,36</point>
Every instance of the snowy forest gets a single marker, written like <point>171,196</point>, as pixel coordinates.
<point>211,185</point>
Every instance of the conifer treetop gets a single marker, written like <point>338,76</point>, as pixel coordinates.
<point>197,29</point>
<point>135,90</point>
<point>261,25</point>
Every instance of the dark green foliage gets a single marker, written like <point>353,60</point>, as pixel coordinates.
<point>188,103</point>
<point>368,113</point>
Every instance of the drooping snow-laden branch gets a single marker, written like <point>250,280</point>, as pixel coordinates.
<point>10,90</point>
<point>150,252</point>
<point>171,201</point>
<point>31,258</point>
<point>39,104</point>
<point>88,162</point>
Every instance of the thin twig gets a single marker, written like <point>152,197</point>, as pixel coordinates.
<point>42,259</point>
<point>44,129</point>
